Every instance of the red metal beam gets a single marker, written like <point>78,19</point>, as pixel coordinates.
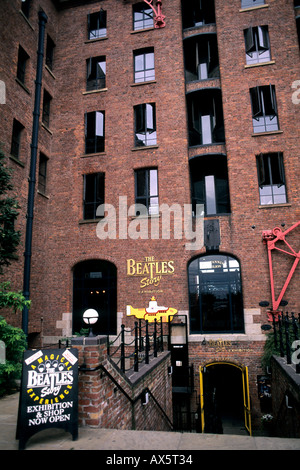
<point>270,238</point>
<point>159,17</point>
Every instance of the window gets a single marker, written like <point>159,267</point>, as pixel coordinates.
<point>257,45</point>
<point>97,25</point>
<point>93,194</point>
<point>205,117</point>
<point>271,178</point>
<point>96,73</point>
<point>146,189</point>
<point>22,61</point>
<point>42,173</point>
<point>144,65</point>
<point>46,108</point>
<point>198,13</point>
<point>264,109</point>
<point>252,3</point>
<point>16,139</point>
<point>145,124</point>
<point>209,184</point>
<point>95,286</point>
<point>142,17</point>
<point>50,46</point>
<point>215,295</point>
<point>94,132</point>
<point>201,57</point>
<point>25,7</point>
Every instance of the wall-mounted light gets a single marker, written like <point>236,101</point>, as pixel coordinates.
<point>145,398</point>
<point>170,370</point>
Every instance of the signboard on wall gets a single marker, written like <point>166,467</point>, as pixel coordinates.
<point>49,393</point>
<point>150,272</point>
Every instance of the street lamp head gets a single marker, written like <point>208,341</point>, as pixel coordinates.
<point>90,317</point>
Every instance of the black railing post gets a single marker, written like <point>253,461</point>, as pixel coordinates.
<point>155,338</point>
<point>141,342</point>
<point>123,348</point>
<point>136,348</point>
<point>275,332</point>
<point>287,339</point>
<point>296,336</point>
<point>161,335</point>
<point>147,344</point>
<point>280,335</point>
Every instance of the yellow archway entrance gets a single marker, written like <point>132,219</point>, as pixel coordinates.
<point>243,391</point>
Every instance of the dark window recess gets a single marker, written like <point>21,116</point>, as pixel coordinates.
<point>271,178</point>
<point>94,131</point>
<point>46,108</point>
<point>22,61</point>
<point>145,124</point>
<point>205,118</point>
<point>50,46</point>
<point>252,3</point>
<point>97,25</point>
<point>144,65</point>
<point>96,73</point>
<point>95,286</point>
<point>25,7</point>
<point>215,295</point>
<point>16,139</point>
<point>146,191</point>
<point>298,28</point>
<point>257,45</point>
<point>201,57</point>
<point>42,179</point>
<point>209,184</point>
<point>93,194</point>
<point>142,17</point>
<point>264,109</point>
<point>198,13</point>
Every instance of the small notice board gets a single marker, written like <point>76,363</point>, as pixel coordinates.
<point>49,393</point>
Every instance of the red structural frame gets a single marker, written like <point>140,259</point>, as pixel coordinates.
<point>270,238</point>
<point>159,17</point>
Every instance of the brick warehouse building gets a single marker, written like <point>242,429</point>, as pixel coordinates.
<point>199,107</point>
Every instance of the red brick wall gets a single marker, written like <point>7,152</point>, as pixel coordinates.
<point>61,239</point>
<point>286,411</point>
<point>108,399</point>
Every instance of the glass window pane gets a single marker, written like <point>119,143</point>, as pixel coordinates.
<point>210,194</point>
<point>153,183</point>
<point>149,57</point>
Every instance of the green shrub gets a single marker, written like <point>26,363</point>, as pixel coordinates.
<point>14,340</point>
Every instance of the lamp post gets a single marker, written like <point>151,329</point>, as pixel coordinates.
<point>90,317</point>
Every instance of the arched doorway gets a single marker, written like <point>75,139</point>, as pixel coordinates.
<point>215,294</point>
<point>224,399</point>
<point>95,286</point>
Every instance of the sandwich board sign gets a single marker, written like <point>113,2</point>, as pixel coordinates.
<point>49,393</point>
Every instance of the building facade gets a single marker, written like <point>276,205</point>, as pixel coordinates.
<point>168,152</point>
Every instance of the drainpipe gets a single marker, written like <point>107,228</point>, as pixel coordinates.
<point>33,158</point>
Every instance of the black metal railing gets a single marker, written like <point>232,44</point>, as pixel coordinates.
<point>146,341</point>
<point>286,328</point>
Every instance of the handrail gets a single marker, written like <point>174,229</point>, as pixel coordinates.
<point>143,341</point>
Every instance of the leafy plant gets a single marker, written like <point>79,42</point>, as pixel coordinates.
<point>10,299</point>
<point>272,347</point>
<point>14,340</point>
<point>9,237</point>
